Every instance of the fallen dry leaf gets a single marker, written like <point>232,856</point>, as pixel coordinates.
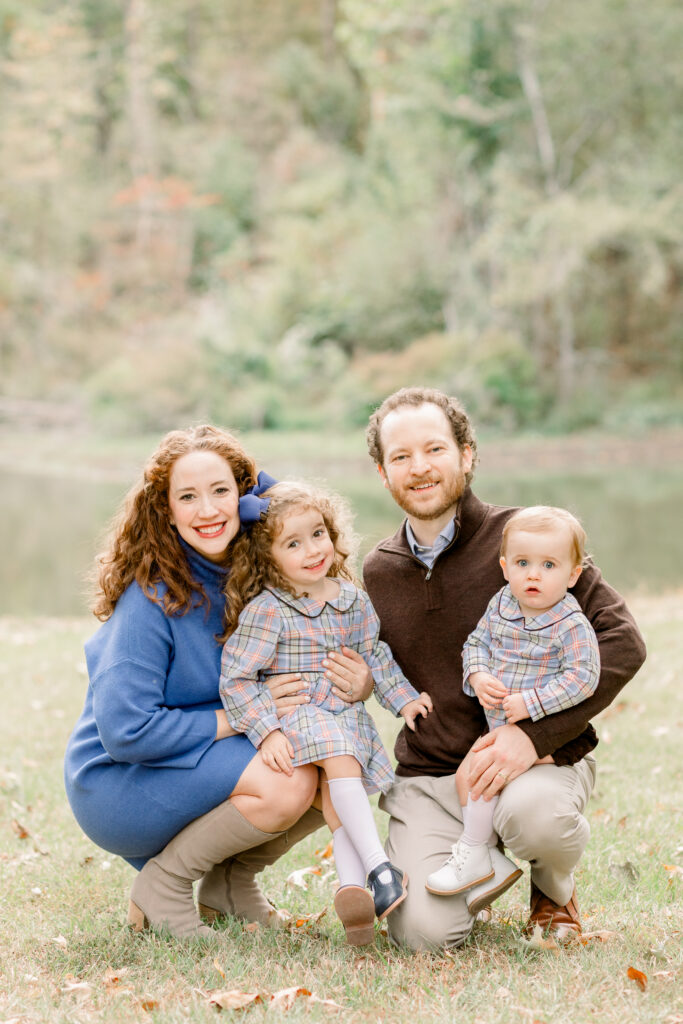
<point>21,831</point>
<point>73,985</point>
<point>149,1004</point>
<point>329,1004</point>
<point>664,974</point>
<point>628,870</point>
<point>305,921</point>
<point>112,976</point>
<point>537,940</point>
<point>640,979</point>
<point>233,999</point>
<point>219,969</point>
<point>251,926</point>
<point>673,870</point>
<point>603,936</point>
<point>297,877</point>
<point>327,852</point>
<point>284,998</point>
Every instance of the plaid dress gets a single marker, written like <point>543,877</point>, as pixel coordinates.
<point>551,658</point>
<point>279,633</point>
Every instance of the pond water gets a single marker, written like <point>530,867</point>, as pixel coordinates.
<point>50,527</point>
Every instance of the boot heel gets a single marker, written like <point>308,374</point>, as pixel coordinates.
<point>208,914</point>
<point>137,922</point>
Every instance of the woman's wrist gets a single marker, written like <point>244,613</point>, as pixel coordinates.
<point>223,727</point>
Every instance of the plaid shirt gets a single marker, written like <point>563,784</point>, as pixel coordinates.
<point>280,633</point>
<point>552,658</point>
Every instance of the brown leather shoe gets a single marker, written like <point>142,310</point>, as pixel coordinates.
<point>560,923</point>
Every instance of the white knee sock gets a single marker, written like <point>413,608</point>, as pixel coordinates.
<point>353,809</point>
<point>350,870</point>
<point>477,819</point>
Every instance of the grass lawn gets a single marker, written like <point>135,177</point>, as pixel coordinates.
<point>67,955</point>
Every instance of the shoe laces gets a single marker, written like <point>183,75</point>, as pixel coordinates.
<point>459,854</point>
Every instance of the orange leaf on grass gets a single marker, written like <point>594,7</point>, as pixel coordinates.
<point>284,998</point>
<point>603,935</point>
<point>327,852</point>
<point>233,999</point>
<point>21,831</point>
<point>640,979</point>
<point>297,877</point>
<point>149,1005</point>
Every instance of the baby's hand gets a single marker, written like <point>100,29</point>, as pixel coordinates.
<point>422,706</point>
<point>489,690</point>
<point>514,707</point>
<point>277,752</point>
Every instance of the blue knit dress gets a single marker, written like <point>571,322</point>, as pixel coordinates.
<point>142,762</point>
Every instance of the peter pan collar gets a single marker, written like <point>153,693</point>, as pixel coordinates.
<point>313,607</point>
<point>508,609</point>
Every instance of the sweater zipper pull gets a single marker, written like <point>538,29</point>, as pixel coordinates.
<point>429,573</point>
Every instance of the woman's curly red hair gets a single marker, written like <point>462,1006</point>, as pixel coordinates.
<point>143,545</point>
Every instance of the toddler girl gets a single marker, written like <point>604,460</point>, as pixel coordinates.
<point>306,604</point>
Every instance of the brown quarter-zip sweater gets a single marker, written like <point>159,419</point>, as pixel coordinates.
<point>427,614</point>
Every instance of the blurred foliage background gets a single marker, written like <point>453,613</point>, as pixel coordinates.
<point>271,214</point>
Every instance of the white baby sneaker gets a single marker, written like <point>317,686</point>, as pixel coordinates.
<point>466,866</point>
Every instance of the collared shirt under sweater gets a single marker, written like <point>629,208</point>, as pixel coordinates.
<point>427,614</point>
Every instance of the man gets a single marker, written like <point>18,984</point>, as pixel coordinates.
<point>430,584</point>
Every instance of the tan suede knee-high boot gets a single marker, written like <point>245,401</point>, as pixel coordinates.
<point>230,888</point>
<point>161,894</point>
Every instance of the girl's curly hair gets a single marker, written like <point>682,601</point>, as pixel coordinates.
<point>253,568</point>
<point>142,543</point>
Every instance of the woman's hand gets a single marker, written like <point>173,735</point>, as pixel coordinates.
<point>422,706</point>
<point>350,676</point>
<point>286,692</point>
<point>277,752</point>
<point>223,727</point>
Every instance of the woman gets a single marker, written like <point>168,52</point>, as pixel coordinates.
<point>153,771</point>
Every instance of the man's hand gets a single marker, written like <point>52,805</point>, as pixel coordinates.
<point>422,706</point>
<point>489,690</point>
<point>514,707</point>
<point>277,752</point>
<point>350,677</point>
<point>498,758</point>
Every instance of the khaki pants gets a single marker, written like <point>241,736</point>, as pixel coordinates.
<point>539,817</point>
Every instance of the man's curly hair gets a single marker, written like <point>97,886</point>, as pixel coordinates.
<point>463,432</point>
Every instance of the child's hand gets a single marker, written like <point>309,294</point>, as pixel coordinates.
<point>277,752</point>
<point>422,706</point>
<point>514,707</point>
<point>489,690</point>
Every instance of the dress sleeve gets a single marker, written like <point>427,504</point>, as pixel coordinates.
<point>578,675</point>
<point>392,689</point>
<point>128,682</point>
<point>476,652</point>
<point>251,648</point>
<point>622,652</point>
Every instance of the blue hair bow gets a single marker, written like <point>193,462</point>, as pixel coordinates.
<point>251,504</point>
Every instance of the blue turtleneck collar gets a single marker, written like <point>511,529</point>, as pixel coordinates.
<point>204,571</point>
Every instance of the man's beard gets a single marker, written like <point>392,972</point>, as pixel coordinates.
<point>454,490</point>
